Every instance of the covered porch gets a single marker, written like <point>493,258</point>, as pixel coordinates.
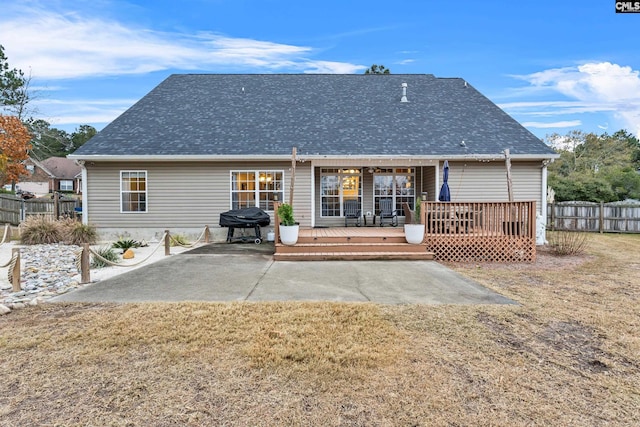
<point>454,231</point>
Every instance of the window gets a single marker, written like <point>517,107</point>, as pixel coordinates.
<point>338,185</point>
<point>395,183</point>
<point>31,168</point>
<point>133,191</point>
<point>256,189</point>
<point>66,185</point>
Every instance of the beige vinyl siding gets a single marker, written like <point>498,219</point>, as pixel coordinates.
<point>487,182</point>
<point>180,194</point>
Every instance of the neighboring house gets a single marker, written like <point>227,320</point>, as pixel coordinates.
<point>199,145</point>
<point>53,174</point>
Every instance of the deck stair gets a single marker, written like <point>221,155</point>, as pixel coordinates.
<point>350,244</point>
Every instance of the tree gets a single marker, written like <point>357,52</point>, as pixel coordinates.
<point>377,69</point>
<point>595,167</point>
<point>80,136</point>
<point>13,87</point>
<point>48,141</point>
<point>14,148</point>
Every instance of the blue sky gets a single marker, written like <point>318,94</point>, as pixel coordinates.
<point>555,66</point>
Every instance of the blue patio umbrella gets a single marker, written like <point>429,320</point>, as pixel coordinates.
<point>445,193</point>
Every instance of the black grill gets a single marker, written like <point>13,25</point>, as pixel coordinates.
<point>244,218</point>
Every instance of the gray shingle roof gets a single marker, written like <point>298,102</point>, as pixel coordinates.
<point>333,115</point>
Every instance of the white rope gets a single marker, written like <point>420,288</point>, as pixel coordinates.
<point>111,263</point>
<point>192,244</point>
<point>6,232</point>
<point>12,264</point>
<point>9,262</point>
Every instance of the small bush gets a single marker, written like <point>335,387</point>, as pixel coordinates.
<point>107,253</point>
<point>124,244</point>
<point>564,243</point>
<point>38,230</point>
<point>77,233</point>
<point>179,240</point>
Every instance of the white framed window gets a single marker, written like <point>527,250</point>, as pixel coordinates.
<point>397,184</point>
<point>336,186</point>
<point>66,185</point>
<point>256,188</point>
<point>133,191</point>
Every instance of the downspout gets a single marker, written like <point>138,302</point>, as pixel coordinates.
<point>85,204</point>
<point>541,237</point>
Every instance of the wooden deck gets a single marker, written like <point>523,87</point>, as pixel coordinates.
<point>461,232</point>
<point>351,243</point>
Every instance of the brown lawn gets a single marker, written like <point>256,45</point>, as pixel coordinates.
<point>569,355</point>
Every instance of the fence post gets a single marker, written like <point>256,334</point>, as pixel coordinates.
<point>15,273</point>
<point>601,223</point>
<point>85,265</point>
<point>553,216</point>
<point>56,206</point>
<point>206,234</point>
<point>167,243</point>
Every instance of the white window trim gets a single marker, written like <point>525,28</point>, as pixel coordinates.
<point>256,191</point>
<point>68,181</point>
<point>393,195</point>
<point>146,191</point>
<point>340,175</point>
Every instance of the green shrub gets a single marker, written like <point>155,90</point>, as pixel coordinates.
<point>77,233</point>
<point>38,230</point>
<point>124,244</point>
<point>285,214</point>
<point>179,240</point>
<point>564,243</point>
<point>107,253</point>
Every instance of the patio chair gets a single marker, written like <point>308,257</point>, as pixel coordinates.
<point>352,210</point>
<point>388,212</point>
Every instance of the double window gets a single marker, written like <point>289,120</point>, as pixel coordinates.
<point>133,191</point>
<point>338,185</point>
<point>256,188</point>
<point>397,184</point>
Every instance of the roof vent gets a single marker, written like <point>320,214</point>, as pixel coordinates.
<point>404,93</point>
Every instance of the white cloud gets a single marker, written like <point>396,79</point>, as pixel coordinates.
<point>549,125</point>
<point>597,87</point>
<point>71,45</point>
<point>94,111</point>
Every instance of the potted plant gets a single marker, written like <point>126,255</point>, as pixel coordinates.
<point>288,227</point>
<point>414,233</point>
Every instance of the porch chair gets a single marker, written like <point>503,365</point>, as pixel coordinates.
<point>352,210</point>
<point>387,211</point>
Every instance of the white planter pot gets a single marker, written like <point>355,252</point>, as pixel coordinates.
<point>414,233</point>
<point>289,234</point>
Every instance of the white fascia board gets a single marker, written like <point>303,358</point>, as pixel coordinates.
<point>319,157</point>
<point>188,158</point>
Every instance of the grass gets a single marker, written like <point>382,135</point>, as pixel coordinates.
<point>569,354</point>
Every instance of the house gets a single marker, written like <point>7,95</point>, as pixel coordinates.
<point>53,174</point>
<point>199,145</point>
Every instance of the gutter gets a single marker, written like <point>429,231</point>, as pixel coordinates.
<point>304,157</point>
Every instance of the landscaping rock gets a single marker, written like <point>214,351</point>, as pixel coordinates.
<point>4,309</point>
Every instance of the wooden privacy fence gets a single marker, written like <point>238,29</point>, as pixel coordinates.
<point>487,231</point>
<point>616,217</point>
<point>13,209</point>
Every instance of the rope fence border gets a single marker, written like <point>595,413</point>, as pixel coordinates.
<point>84,253</point>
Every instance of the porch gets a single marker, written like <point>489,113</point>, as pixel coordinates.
<point>454,231</point>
